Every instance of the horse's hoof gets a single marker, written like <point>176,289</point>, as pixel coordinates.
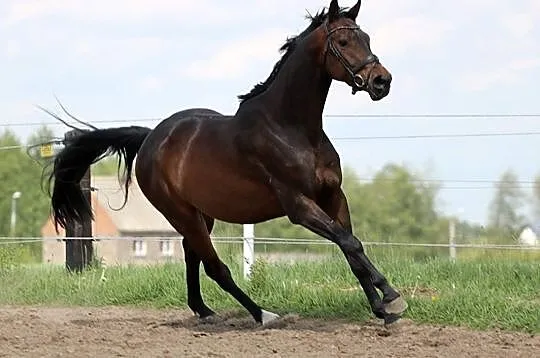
<point>396,306</point>
<point>210,319</point>
<point>268,317</point>
<point>391,318</point>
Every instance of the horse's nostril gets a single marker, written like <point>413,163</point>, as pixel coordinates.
<point>381,82</point>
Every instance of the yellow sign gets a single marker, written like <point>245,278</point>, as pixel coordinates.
<point>46,150</point>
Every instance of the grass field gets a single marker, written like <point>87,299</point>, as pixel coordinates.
<point>480,293</point>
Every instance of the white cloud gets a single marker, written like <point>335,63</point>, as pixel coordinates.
<point>117,10</point>
<point>481,81</point>
<point>392,37</point>
<point>504,45</point>
<point>519,24</point>
<point>149,83</point>
<point>12,48</point>
<point>114,53</point>
<point>23,108</point>
<point>509,74</point>
<point>406,84</point>
<point>235,58</point>
<point>131,46</point>
<point>201,11</point>
<point>404,34</point>
<point>525,64</point>
<point>108,51</point>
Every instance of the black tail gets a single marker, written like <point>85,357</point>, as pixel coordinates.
<point>69,205</point>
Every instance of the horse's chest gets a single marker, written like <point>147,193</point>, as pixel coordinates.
<point>328,174</point>
<point>295,162</point>
<point>316,172</point>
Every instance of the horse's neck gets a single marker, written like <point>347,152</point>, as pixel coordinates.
<point>298,94</point>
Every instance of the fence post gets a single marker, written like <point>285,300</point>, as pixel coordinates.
<point>249,248</point>
<point>79,253</point>
<point>452,239</point>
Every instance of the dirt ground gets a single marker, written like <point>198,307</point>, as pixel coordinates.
<point>127,332</point>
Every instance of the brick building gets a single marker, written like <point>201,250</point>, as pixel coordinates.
<point>145,236</point>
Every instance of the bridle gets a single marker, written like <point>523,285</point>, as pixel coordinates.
<point>358,82</point>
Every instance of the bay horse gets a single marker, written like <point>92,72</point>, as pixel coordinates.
<point>271,159</point>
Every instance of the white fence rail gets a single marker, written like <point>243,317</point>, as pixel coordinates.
<point>269,241</point>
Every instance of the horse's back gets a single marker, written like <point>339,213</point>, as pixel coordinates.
<point>195,112</point>
<point>190,114</point>
<point>166,131</point>
<point>169,124</point>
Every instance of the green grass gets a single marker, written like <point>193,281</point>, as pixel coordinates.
<point>502,293</point>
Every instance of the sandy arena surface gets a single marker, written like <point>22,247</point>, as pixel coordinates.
<point>128,332</point>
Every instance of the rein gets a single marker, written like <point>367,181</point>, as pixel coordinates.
<point>359,83</point>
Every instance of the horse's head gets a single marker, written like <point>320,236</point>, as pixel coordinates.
<point>347,54</point>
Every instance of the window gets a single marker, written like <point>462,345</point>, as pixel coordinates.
<point>167,248</point>
<point>139,247</point>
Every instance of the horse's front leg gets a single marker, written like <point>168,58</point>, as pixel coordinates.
<point>335,205</point>
<point>304,211</point>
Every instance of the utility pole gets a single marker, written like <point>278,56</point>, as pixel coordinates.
<point>249,248</point>
<point>452,238</point>
<point>79,252</point>
<point>16,195</point>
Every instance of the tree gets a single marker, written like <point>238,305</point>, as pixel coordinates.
<point>397,205</point>
<point>508,200</point>
<point>20,172</point>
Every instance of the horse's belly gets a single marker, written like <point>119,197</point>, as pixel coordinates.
<point>232,199</point>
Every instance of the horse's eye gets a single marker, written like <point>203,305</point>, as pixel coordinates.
<point>342,43</point>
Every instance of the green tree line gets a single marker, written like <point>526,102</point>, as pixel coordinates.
<point>396,205</point>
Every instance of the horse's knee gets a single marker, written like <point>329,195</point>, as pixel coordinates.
<point>350,244</point>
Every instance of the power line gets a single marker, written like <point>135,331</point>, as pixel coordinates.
<point>485,187</point>
<point>441,115</point>
<point>350,116</point>
<point>444,181</point>
<point>442,135</point>
<point>397,137</point>
<point>27,146</point>
<point>517,184</point>
<point>10,147</point>
<point>462,181</point>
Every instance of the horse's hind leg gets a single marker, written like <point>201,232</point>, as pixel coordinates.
<point>194,297</point>
<point>194,228</point>
<point>193,262</point>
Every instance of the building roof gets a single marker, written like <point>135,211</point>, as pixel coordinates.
<point>138,215</point>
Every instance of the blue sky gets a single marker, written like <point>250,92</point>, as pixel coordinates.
<point>123,60</point>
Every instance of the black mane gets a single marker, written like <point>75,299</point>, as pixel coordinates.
<point>288,47</point>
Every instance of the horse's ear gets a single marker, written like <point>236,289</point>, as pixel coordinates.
<point>353,11</point>
<point>333,11</point>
